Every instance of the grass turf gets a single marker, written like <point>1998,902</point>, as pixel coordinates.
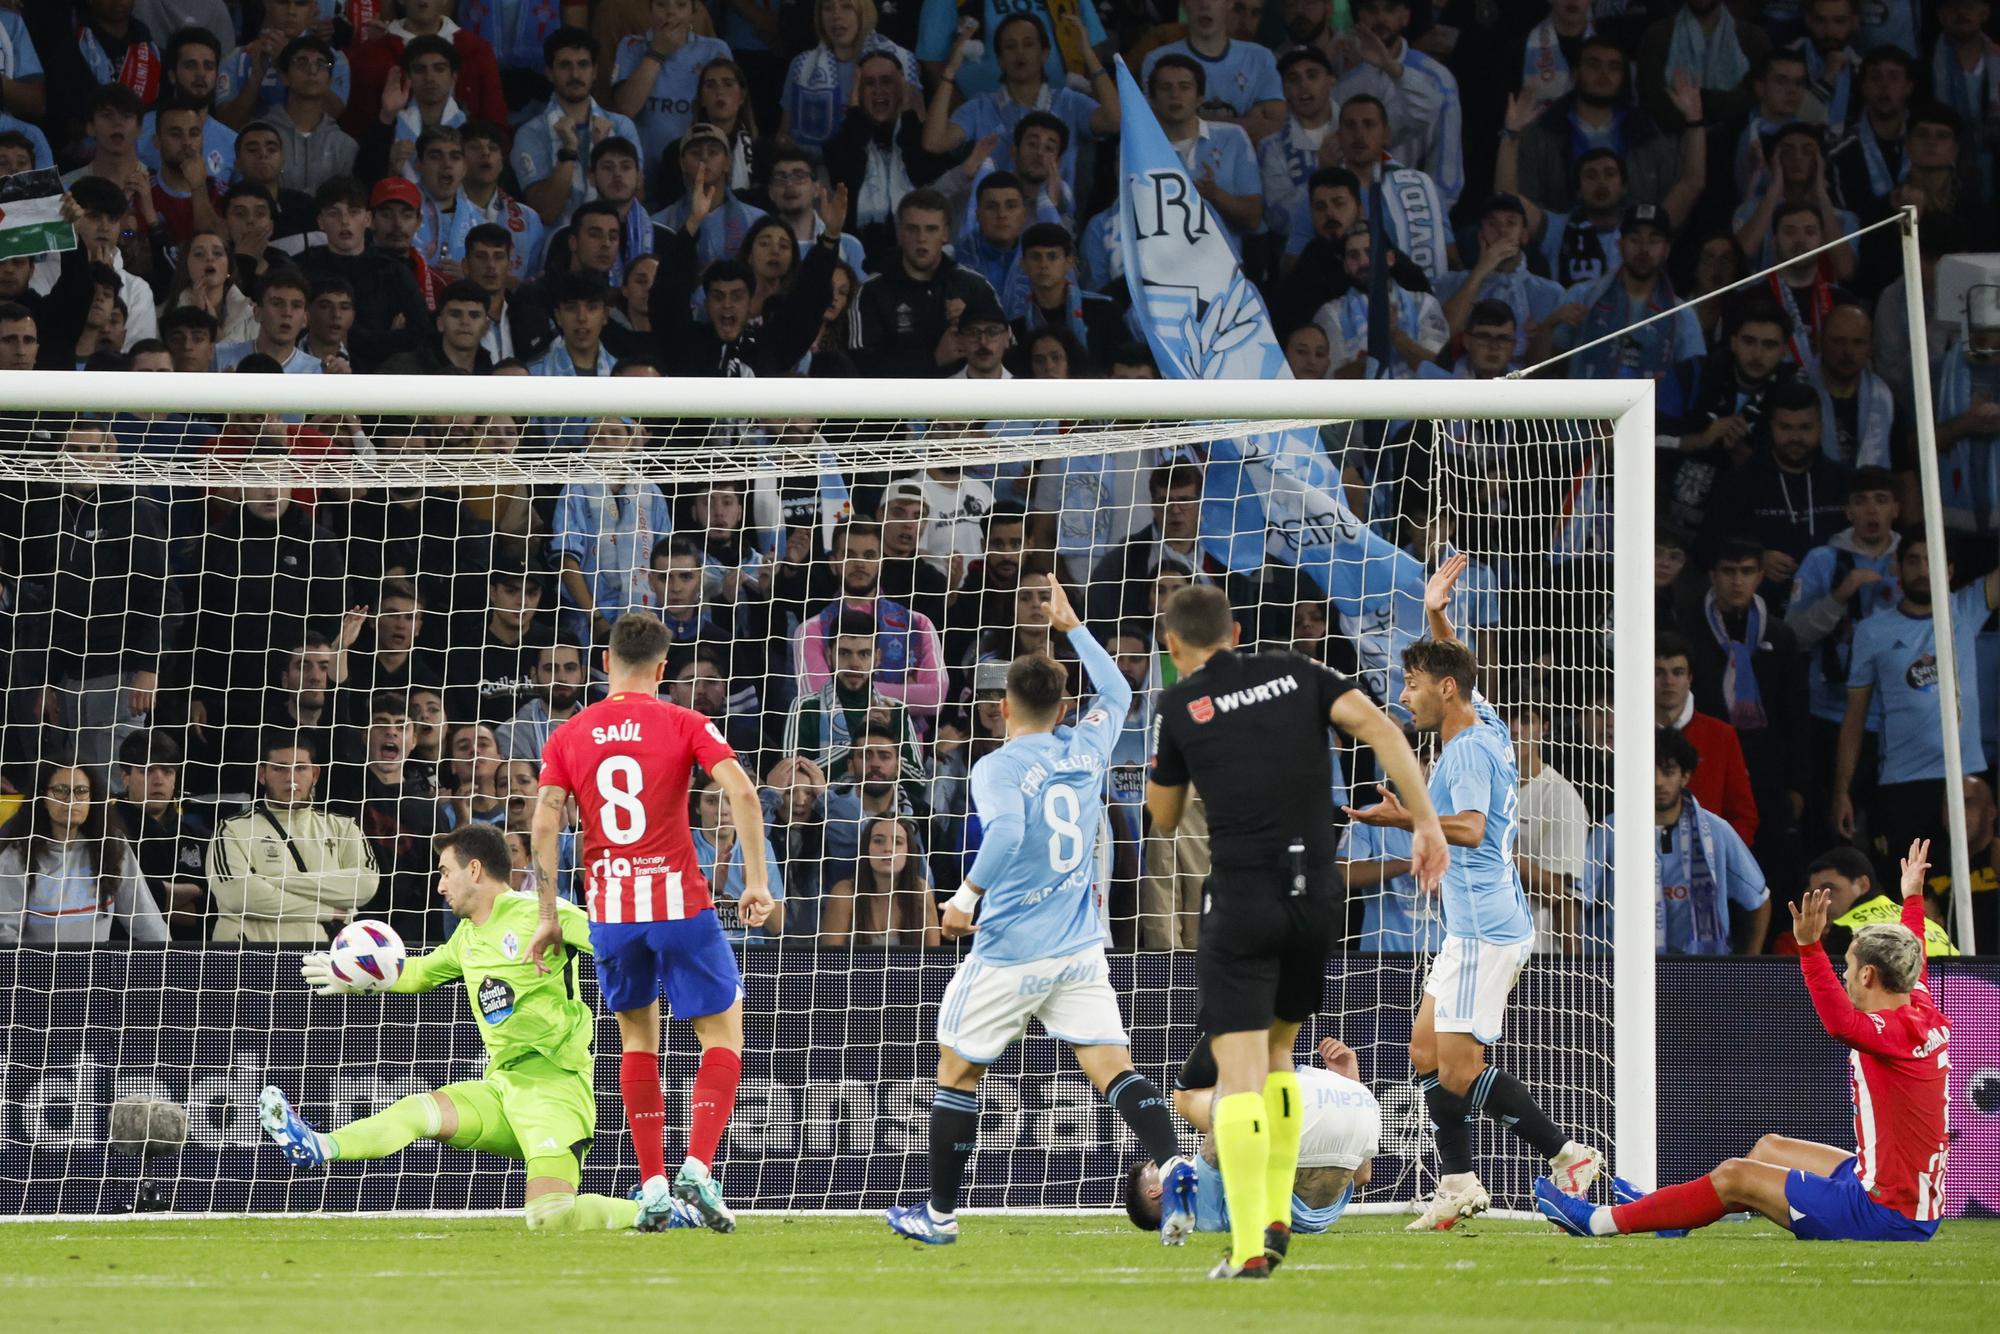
<point>1007,1273</point>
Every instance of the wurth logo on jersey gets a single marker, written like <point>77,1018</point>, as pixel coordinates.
<point>1201,710</point>
<point>1238,699</point>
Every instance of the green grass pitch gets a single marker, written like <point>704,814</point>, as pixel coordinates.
<point>1007,1273</point>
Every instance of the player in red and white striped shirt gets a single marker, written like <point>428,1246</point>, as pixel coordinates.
<point>1892,1187</point>
<point>628,760</point>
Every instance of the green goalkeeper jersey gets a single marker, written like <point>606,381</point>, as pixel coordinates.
<point>520,1010</point>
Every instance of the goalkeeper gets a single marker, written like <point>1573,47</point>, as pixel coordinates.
<point>536,1103</point>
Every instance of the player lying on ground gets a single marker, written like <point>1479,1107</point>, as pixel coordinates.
<point>1038,947</point>
<point>629,759</point>
<point>1340,1126</point>
<point>535,1103</point>
<point>1489,932</point>
<point>1239,726</point>
<point>1892,1187</point>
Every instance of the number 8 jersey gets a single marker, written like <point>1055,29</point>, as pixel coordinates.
<point>1039,801</point>
<point>629,760</point>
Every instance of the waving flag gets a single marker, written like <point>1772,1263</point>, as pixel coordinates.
<point>1268,496</point>
<point>31,215</point>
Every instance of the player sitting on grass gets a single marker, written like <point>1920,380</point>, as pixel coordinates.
<point>1340,1128</point>
<point>1892,1187</point>
<point>536,1103</point>
<point>1038,950</point>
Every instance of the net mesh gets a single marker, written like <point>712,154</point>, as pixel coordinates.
<point>417,596</point>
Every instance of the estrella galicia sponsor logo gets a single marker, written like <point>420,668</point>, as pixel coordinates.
<point>496,1000</point>
<point>1923,673</point>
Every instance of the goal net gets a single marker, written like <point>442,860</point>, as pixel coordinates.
<point>266,641</point>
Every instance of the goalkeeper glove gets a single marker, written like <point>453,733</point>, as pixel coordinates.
<point>317,970</point>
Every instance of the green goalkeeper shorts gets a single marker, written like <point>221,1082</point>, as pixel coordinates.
<point>532,1109</point>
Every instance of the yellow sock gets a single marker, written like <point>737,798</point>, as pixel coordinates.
<point>1242,1148</point>
<point>1281,1113</point>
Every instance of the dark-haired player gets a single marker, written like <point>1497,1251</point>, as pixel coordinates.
<point>1489,932</point>
<point>629,760</point>
<point>1038,948</point>
<point>1891,1188</point>
<point>534,1103</point>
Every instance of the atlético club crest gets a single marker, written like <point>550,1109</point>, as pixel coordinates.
<point>1201,710</point>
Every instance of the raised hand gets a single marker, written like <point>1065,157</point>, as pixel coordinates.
<point>1062,616</point>
<point>704,197</point>
<point>1914,866</point>
<point>1685,94</point>
<point>352,622</point>
<point>1523,109</point>
<point>395,94</point>
<point>1809,915</point>
<point>1437,591</point>
<point>833,209</point>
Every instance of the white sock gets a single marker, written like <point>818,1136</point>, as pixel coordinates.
<point>1600,1222</point>
<point>937,1217</point>
<point>694,1167</point>
<point>664,1184</point>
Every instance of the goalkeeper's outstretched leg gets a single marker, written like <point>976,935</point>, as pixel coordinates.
<point>465,1116</point>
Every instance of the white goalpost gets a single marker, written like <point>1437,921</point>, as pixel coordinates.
<point>838,558</point>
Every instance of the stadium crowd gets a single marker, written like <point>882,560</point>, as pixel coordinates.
<point>245,715</point>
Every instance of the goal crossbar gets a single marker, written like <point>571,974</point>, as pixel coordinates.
<point>1261,401</point>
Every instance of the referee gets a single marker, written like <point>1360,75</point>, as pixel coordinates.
<point>1250,733</point>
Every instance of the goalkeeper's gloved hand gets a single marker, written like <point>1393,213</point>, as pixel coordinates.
<point>317,970</point>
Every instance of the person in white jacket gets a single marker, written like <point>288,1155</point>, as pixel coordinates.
<point>67,875</point>
<point>282,869</point>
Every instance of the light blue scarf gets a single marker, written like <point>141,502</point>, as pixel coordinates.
<point>1714,59</point>
<point>1697,844</point>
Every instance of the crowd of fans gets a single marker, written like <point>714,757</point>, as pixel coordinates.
<point>245,714</point>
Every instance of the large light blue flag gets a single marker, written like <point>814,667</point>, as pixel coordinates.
<point>1268,496</point>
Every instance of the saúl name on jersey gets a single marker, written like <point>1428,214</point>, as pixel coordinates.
<point>625,731</point>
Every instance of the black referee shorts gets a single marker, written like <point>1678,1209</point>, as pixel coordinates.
<point>1263,949</point>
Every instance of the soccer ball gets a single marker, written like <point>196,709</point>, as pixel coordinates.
<point>367,954</point>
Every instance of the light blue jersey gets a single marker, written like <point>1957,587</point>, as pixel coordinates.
<point>1896,656</point>
<point>1242,76</point>
<point>1475,771</point>
<point>1040,802</point>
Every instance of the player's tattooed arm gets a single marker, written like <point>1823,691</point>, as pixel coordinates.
<point>545,838</point>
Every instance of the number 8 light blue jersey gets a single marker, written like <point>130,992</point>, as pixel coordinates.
<point>1040,803</point>
<point>1482,886</point>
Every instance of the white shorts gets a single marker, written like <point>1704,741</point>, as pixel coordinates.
<point>987,1006</point>
<point>1470,980</point>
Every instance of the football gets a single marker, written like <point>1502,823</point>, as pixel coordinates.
<point>367,954</point>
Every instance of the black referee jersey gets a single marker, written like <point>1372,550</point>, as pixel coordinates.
<point>1249,730</point>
